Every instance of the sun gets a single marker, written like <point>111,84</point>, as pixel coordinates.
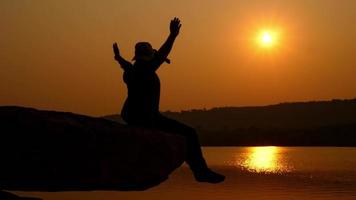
<point>267,38</point>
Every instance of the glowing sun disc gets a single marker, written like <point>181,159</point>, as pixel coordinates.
<point>266,39</point>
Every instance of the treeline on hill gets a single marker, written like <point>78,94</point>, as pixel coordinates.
<point>317,123</point>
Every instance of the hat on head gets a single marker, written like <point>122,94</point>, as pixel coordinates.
<point>144,51</point>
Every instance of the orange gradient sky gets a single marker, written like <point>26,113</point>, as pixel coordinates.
<point>58,54</point>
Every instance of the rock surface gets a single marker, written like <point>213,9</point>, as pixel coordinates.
<point>57,151</point>
<point>9,196</point>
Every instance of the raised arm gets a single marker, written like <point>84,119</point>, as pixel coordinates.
<point>123,63</point>
<point>168,44</point>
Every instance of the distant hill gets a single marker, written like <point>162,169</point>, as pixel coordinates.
<point>315,123</point>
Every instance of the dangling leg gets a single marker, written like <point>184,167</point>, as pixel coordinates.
<point>194,156</point>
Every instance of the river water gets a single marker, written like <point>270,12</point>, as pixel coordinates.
<point>251,173</point>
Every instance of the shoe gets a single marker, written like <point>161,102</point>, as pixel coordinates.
<point>209,176</point>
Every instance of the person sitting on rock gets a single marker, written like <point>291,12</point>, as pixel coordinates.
<point>141,108</point>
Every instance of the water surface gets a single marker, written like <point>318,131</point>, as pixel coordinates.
<point>252,173</point>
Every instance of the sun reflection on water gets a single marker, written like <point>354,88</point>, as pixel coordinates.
<point>264,160</point>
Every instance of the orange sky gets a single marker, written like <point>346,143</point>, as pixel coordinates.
<point>57,54</point>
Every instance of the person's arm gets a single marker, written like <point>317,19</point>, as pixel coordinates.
<point>166,48</point>
<point>123,63</point>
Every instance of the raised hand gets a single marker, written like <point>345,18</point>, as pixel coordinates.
<point>124,63</point>
<point>116,51</point>
<point>175,26</point>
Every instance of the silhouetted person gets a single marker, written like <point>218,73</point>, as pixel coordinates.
<point>141,107</point>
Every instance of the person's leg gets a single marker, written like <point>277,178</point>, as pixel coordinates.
<point>194,156</point>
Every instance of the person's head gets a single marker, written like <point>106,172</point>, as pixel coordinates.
<point>144,51</point>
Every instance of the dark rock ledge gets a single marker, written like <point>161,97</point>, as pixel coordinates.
<point>58,151</point>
